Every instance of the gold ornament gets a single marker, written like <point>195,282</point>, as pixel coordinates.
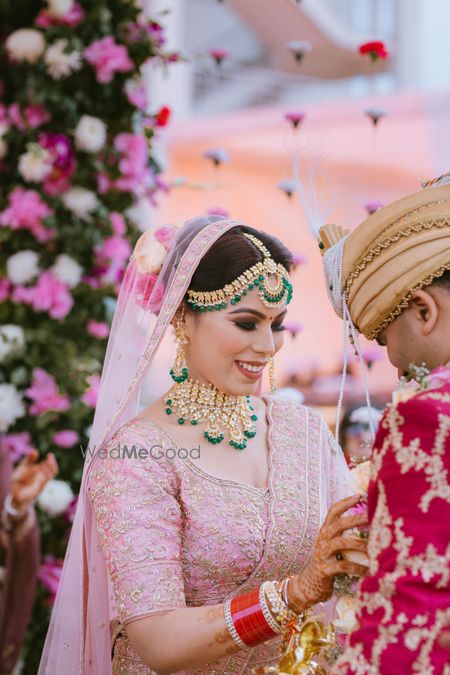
<point>179,371</point>
<point>303,642</point>
<point>197,403</point>
<point>273,385</point>
<point>257,276</point>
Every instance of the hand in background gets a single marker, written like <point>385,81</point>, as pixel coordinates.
<point>29,479</point>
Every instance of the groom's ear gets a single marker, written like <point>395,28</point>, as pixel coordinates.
<point>424,310</point>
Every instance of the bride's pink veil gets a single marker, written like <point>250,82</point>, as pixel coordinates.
<point>78,639</point>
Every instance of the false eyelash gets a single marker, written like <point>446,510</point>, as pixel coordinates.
<point>248,325</point>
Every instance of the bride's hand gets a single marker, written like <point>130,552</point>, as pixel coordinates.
<point>315,582</point>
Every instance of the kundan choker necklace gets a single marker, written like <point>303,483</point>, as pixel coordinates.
<point>197,403</point>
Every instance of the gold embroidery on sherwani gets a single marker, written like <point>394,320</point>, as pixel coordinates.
<point>428,636</point>
<point>380,534</point>
<point>412,456</point>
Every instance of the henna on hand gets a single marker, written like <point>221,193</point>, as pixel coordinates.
<point>315,583</point>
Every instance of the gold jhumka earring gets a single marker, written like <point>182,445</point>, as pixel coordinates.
<point>273,385</point>
<point>179,371</point>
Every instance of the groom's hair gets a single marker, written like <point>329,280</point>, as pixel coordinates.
<point>232,254</point>
<point>443,280</point>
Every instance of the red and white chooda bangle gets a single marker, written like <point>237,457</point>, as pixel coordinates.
<point>249,618</point>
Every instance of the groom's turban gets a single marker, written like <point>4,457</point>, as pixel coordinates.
<point>397,250</point>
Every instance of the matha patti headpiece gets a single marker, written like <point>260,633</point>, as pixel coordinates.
<point>257,276</point>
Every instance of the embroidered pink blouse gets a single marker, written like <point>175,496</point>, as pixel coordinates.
<point>172,539</point>
<point>405,599</point>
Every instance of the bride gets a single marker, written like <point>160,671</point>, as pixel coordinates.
<point>213,516</point>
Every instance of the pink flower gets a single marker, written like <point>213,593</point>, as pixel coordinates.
<point>108,58</point>
<point>49,295</point>
<point>371,355</point>
<point>98,329</point>
<point>73,17</point>
<point>18,445</point>
<point>133,165</point>
<point>293,327</point>
<point>219,55</point>
<point>145,295</point>
<point>26,211</point>
<point>165,235</point>
<point>36,115</point>
<point>218,211</point>
<point>49,575</point>
<point>371,207</point>
<point>5,289</point>
<point>136,94</point>
<point>104,184</point>
<point>299,259</point>
<point>91,394</point>
<point>15,116</point>
<point>63,161</point>
<point>44,394</point>
<point>66,438</point>
<point>113,252</point>
<point>118,223</point>
<point>134,149</point>
<point>156,32</point>
<point>295,118</point>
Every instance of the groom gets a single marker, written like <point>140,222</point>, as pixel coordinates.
<point>396,278</point>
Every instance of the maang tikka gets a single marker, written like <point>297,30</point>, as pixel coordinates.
<point>179,371</point>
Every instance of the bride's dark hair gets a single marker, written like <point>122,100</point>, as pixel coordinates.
<point>232,254</point>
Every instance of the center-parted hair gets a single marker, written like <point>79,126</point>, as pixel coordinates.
<point>232,254</point>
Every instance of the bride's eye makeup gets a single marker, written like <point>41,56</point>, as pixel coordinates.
<point>251,325</point>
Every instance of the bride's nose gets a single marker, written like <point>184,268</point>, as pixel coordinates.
<point>264,342</point>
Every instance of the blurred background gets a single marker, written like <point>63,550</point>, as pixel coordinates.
<point>269,84</point>
<point>118,117</point>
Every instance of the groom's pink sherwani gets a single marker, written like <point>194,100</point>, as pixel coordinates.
<point>403,601</point>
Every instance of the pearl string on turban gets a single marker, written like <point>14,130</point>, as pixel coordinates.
<point>374,270</point>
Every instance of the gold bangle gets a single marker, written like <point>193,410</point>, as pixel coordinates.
<point>282,613</point>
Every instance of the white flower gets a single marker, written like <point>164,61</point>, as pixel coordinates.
<point>22,267</point>
<point>345,609</point>
<point>55,497</point>
<point>12,339</point>
<point>4,128</point>
<point>67,270</point>
<point>149,254</point>
<point>80,201</point>
<point>59,7</point>
<point>11,406</point>
<point>360,478</point>
<point>35,164</point>
<point>25,44</point>
<point>90,134</point>
<point>141,213</point>
<point>60,62</point>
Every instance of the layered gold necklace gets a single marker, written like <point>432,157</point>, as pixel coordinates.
<point>197,403</point>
